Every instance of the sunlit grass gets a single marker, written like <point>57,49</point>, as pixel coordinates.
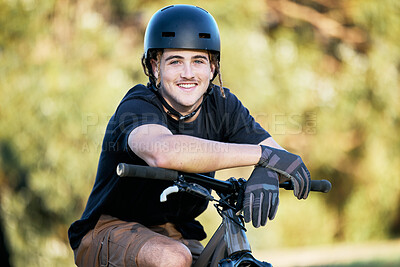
<point>374,263</point>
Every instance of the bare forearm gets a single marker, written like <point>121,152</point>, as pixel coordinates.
<point>191,154</point>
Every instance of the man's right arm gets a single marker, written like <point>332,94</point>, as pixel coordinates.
<point>158,147</point>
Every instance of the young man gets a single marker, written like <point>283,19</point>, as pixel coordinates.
<point>179,121</point>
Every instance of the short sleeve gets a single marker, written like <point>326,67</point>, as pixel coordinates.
<point>130,114</point>
<point>242,127</point>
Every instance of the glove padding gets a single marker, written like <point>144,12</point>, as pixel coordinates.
<point>289,165</point>
<point>261,196</point>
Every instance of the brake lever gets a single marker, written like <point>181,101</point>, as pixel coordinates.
<point>167,191</point>
<point>182,186</point>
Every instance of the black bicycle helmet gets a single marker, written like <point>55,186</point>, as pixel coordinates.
<point>182,27</point>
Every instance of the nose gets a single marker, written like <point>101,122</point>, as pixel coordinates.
<point>187,71</point>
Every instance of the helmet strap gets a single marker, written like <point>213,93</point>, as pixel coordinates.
<point>174,112</point>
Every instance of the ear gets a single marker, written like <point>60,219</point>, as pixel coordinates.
<point>153,63</point>
<point>212,67</point>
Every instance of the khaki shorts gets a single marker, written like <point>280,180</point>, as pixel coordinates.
<point>117,243</point>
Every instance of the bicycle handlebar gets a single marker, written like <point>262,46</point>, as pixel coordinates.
<point>129,170</point>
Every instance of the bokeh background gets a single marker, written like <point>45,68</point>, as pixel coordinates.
<point>322,76</point>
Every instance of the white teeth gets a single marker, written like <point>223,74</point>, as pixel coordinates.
<point>187,85</point>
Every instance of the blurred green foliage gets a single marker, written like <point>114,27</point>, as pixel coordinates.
<point>322,76</point>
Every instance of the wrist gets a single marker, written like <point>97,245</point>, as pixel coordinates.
<point>264,157</point>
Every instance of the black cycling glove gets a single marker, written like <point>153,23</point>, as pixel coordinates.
<point>289,165</point>
<point>261,196</point>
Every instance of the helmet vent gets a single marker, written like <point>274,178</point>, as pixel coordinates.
<point>168,34</point>
<point>204,35</point>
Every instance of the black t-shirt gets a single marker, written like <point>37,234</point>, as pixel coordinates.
<point>137,199</point>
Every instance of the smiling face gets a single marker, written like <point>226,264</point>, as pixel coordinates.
<point>185,76</point>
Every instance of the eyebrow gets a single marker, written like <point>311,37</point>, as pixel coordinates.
<point>180,57</point>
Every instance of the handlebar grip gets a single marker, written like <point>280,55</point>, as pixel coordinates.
<point>127,170</point>
<point>323,186</point>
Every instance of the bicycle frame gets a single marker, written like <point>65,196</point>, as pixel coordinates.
<point>229,245</point>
